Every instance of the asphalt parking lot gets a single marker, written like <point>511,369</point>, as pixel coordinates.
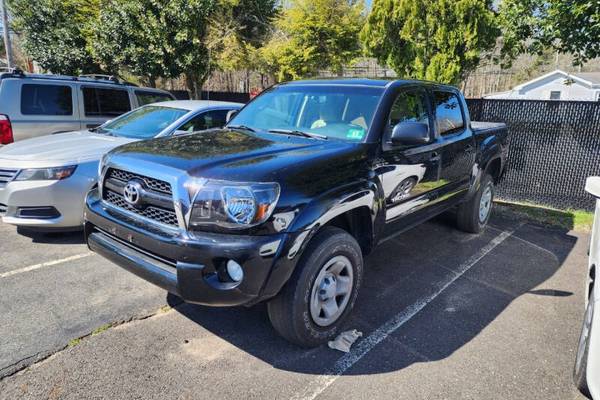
<point>445,315</point>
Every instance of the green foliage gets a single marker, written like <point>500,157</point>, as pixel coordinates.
<point>314,35</point>
<point>57,33</point>
<point>438,40</point>
<point>155,38</point>
<point>239,29</point>
<point>567,26</point>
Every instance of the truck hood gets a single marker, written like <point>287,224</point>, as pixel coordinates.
<point>251,157</point>
<point>60,149</point>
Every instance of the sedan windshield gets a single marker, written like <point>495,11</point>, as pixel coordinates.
<point>321,111</point>
<point>143,123</point>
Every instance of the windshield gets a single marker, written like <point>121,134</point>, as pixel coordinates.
<point>143,123</point>
<point>342,112</point>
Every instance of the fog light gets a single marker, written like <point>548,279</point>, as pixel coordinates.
<point>235,271</point>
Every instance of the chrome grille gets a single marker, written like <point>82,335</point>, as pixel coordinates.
<point>158,214</point>
<point>7,175</point>
<point>153,184</point>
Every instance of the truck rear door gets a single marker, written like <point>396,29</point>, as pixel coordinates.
<point>455,142</point>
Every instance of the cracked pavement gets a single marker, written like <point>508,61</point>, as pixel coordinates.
<point>495,324</point>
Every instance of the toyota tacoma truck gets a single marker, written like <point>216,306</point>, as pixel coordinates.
<point>283,203</point>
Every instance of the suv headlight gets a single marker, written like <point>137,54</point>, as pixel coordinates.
<point>233,205</point>
<point>46,174</point>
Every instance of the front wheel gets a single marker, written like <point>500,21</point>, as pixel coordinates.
<point>580,369</point>
<point>321,292</point>
<point>474,215</point>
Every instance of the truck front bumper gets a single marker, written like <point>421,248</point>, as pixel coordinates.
<point>189,265</point>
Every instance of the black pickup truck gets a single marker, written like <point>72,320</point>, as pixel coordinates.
<point>282,204</point>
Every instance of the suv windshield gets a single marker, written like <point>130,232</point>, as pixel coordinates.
<point>143,123</point>
<point>335,111</point>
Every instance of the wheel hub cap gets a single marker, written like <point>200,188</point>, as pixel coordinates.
<point>485,204</point>
<point>331,291</point>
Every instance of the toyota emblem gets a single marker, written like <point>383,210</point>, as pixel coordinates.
<point>132,193</point>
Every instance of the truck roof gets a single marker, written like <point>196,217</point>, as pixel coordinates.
<point>382,83</point>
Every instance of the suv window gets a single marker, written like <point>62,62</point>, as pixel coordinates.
<point>105,102</point>
<point>409,106</point>
<point>146,97</point>
<point>46,100</point>
<point>448,112</point>
<point>206,120</point>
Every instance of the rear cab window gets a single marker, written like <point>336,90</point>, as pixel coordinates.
<point>44,99</point>
<point>448,112</point>
<point>105,102</point>
<point>205,120</point>
<point>147,97</point>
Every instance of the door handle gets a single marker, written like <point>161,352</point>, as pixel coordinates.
<point>435,156</point>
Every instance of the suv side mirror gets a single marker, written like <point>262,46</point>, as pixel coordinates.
<point>230,115</point>
<point>410,133</point>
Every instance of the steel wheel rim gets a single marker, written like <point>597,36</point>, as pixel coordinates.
<point>331,291</point>
<point>485,203</point>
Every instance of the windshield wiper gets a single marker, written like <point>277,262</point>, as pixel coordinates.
<point>299,133</point>
<point>247,128</point>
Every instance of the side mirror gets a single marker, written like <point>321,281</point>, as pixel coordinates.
<point>592,186</point>
<point>230,115</point>
<point>409,133</point>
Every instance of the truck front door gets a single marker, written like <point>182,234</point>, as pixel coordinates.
<point>410,176</point>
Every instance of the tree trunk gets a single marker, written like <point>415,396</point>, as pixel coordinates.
<point>152,81</point>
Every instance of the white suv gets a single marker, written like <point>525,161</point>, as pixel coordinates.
<point>587,364</point>
<point>35,105</point>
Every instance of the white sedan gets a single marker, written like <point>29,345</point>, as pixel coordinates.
<point>43,181</point>
<point>587,364</point>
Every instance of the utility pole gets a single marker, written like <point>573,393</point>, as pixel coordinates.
<point>7,43</point>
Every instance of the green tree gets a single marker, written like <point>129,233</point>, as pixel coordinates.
<point>312,35</point>
<point>437,40</point>
<point>566,26</point>
<point>57,33</point>
<point>156,38</point>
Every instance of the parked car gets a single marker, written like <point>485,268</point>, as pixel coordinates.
<point>587,364</point>
<point>34,105</point>
<point>283,203</point>
<point>43,181</point>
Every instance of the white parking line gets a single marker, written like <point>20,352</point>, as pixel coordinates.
<point>317,386</point>
<point>42,265</point>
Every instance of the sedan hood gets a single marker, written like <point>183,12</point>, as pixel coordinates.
<point>60,149</point>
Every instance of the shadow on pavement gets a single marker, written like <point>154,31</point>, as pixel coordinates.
<point>68,237</point>
<point>401,272</point>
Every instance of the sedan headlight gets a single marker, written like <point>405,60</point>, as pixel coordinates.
<point>46,174</point>
<point>233,205</point>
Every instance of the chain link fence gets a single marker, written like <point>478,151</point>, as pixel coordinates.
<point>554,147</point>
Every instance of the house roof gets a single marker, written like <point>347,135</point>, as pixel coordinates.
<point>589,79</point>
<point>592,77</point>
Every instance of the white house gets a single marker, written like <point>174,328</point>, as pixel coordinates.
<point>557,85</point>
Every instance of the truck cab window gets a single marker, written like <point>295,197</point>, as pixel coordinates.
<point>409,106</point>
<point>448,112</point>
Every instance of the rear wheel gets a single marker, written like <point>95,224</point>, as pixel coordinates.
<point>474,215</point>
<point>580,369</point>
<point>321,292</point>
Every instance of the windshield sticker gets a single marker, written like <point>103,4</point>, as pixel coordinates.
<point>355,133</point>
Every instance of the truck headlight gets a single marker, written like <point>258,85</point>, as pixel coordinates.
<point>233,205</point>
<point>46,174</point>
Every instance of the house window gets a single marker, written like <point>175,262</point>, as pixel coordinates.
<point>555,95</point>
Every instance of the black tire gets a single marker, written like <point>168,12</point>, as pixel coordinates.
<point>580,368</point>
<point>468,216</point>
<point>289,311</point>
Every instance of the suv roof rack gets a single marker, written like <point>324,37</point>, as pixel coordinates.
<point>95,78</point>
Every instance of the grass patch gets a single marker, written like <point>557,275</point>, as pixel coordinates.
<point>74,342</point>
<point>100,329</point>
<point>578,220</point>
